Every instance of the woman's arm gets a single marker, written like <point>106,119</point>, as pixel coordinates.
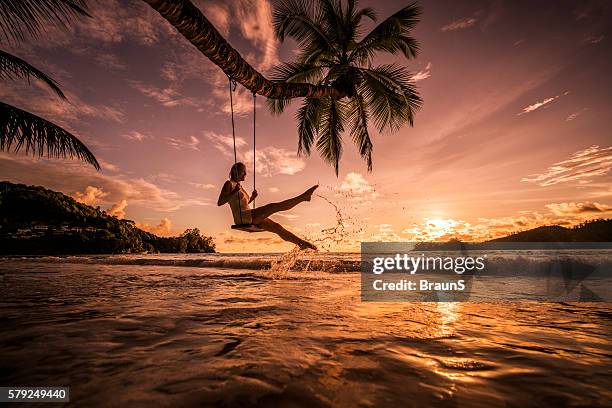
<point>253,196</point>
<point>227,192</point>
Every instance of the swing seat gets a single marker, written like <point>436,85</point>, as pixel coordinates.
<point>247,228</point>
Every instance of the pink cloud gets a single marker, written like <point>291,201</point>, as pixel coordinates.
<point>118,209</point>
<point>583,165</point>
<point>164,228</point>
<point>460,24</point>
<point>91,196</point>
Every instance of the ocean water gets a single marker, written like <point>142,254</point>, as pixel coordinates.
<point>287,331</point>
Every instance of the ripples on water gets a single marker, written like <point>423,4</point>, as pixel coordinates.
<point>161,335</point>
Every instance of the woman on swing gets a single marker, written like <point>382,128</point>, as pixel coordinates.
<point>238,199</point>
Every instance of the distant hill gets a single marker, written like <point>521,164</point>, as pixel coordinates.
<point>595,231</point>
<point>35,220</point>
<point>591,231</point>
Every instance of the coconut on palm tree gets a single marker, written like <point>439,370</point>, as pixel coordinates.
<point>20,129</point>
<point>334,71</point>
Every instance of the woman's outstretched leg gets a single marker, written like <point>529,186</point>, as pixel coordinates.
<point>267,210</point>
<point>269,225</point>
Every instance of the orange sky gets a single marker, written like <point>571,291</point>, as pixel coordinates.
<point>514,132</point>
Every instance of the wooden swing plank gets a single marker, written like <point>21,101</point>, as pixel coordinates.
<point>247,228</point>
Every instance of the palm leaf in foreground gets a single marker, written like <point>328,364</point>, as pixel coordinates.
<point>21,17</point>
<point>37,135</point>
<point>12,67</point>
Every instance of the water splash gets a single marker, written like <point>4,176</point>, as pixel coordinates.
<point>341,234</point>
<point>285,263</point>
<point>344,231</point>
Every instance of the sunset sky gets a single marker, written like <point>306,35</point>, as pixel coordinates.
<point>515,131</point>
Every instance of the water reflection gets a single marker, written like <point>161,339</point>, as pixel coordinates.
<point>180,336</point>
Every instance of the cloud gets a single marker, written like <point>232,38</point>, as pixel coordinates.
<point>564,209</point>
<point>117,210</point>
<point>224,143</point>
<point>386,233</point>
<point>112,21</point>
<point>108,166</point>
<point>439,229</point>
<point>134,135</point>
<point>164,228</point>
<point>575,115</point>
<point>274,189</point>
<point>219,16</point>
<point>424,74</point>
<point>254,18</point>
<point>357,189</point>
<point>164,178</point>
<point>271,161</point>
<point>460,24</point>
<point>242,98</point>
<point>110,61</point>
<point>169,97</point>
<point>68,176</point>
<point>63,112</point>
<point>538,105</point>
<point>355,183</point>
<point>179,144</point>
<point>91,196</point>
<point>203,186</point>
<point>594,39</point>
<point>583,165</point>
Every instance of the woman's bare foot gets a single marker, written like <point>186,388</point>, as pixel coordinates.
<point>308,193</point>
<point>307,245</point>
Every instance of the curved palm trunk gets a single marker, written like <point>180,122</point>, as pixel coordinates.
<point>195,27</point>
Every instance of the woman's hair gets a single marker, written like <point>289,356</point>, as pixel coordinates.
<point>234,170</point>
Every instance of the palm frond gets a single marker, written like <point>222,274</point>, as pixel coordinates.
<point>277,106</point>
<point>12,67</point>
<point>351,20</point>
<point>364,12</point>
<point>299,19</point>
<point>408,46</point>
<point>391,95</point>
<point>391,35</point>
<point>359,128</point>
<point>36,135</point>
<point>297,72</point>
<point>308,117</point>
<point>331,20</point>
<point>313,54</point>
<point>329,142</point>
<point>21,17</point>
<point>292,72</point>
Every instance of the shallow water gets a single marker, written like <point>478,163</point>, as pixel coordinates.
<point>160,335</point>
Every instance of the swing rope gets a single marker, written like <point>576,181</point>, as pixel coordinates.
<point>232,88</point>
<point>254,112</point>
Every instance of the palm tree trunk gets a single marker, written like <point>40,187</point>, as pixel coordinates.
<point>195,27</point>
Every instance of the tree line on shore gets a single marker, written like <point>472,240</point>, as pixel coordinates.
<point>35,220</point>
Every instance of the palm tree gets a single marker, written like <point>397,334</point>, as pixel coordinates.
<point>333,71</point>
<point>18,127</point>
<point>331,54</point>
